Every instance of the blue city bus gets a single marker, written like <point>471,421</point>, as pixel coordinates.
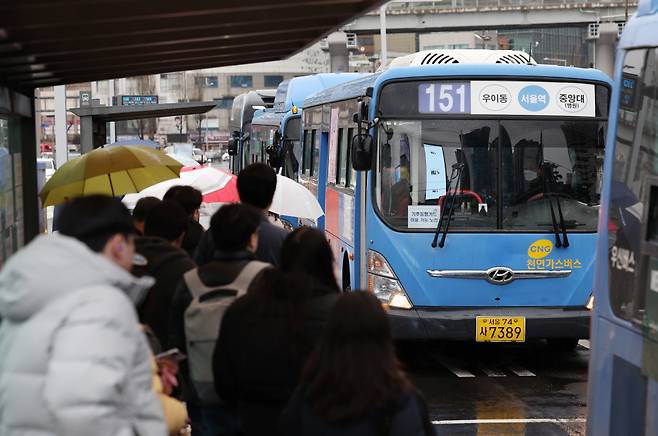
<point>243,110</point>
<point>623,393</point>
<point>265,133</point>
<point>286,140</point>
<point>465,196</point>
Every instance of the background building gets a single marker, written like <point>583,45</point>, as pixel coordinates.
<point>458,40</point>
<point>209,130</point>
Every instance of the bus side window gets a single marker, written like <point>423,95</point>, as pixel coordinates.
<point>351,173</point>
<point>312,153</point>
<point>306,155</point>
<point>340,167</point>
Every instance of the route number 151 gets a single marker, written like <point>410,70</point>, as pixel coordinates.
<point>444,97</point>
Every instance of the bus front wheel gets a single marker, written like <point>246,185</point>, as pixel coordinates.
<point>347,285</point>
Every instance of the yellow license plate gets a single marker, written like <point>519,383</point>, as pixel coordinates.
<point>500,329</point>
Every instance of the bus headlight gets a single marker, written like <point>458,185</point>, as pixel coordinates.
<point>384,284</point>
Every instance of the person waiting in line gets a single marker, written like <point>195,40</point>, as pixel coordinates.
<point>306,251</point>
<point>352,384</point>
<point>266,336</point>
<point>74,361</point>
<point>256,186</point>
<point>160,256</point>
<point>141,210</point>
<point>190,199</point>
<point>199,305</point>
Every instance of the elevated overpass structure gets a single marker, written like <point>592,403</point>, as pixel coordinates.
<point>454,15</point>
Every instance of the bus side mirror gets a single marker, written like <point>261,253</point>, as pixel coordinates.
<point>362,152</point>
<point>232,147</point>
<point>233,144</point>
<point>361,114</point>
<point>277,138</point>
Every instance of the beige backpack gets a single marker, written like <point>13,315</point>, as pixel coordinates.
<point>203,318</point>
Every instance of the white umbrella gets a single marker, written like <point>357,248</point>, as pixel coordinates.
<point>293,199</point>
<point>185,160</point>
<point>205,179</point>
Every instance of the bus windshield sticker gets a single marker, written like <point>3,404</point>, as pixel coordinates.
<point>508,98</point>
<point>423,217</point>
<point>444,97</point>
<point>435,169</point>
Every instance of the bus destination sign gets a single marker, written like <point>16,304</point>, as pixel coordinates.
<point>507,98</point>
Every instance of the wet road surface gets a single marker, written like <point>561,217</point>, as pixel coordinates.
<point>500,389</point>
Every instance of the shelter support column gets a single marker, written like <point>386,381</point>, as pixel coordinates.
<point>93,133</point>
<point>110,97</point>
<point>86,134</point>
<point>61,143</point>
<point>338,53</point>
<point>605,47</point>
<point>31,203</point>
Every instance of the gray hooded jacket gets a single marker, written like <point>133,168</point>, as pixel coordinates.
<point>73,361</point>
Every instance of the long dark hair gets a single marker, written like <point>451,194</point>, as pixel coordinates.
<point>274,293</point>
<point>354,370</point>
<point>306,251</point>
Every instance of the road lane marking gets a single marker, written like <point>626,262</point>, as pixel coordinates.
<point>520,371</point>
<point>509,421</point>
<point>491,372</point>
<point>455,369</point>
<point>584,343</point>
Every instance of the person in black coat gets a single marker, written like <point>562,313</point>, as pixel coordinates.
<point>142,209</point>
<point>256,186</point>
<point>190,199</point>
<point>234,229</point>
<point>267,335</point>
<point>352,384</point>
<point>160,256</point>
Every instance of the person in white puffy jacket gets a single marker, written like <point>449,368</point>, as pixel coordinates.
<point>73,360</point>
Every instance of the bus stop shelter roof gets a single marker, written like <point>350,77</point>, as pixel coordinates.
<point>121,113</point>
<point>51,42</point>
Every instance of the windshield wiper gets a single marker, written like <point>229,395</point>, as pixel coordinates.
<point>548,169</point>
<point>456,174</point>
<point>563,226</point>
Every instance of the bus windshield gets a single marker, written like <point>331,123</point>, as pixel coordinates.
<point>503,186</point>
<point>292,147</point>
<point>261,138</point>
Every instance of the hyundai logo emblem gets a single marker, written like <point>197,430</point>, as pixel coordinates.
<point>500,275</point>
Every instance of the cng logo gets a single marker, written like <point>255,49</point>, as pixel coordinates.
<point>540,249</point>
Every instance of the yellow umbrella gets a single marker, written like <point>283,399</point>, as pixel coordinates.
<point>111,171</point>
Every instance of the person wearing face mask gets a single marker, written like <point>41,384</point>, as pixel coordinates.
<point>73,360</point>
